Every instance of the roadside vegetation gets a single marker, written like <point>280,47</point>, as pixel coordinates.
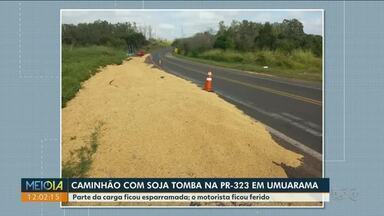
<point>87,47</point>
<point>281,49</point>
<point>80,63</point>
<point>81,159</point>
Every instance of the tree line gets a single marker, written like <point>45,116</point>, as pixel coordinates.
<point>121,35</point>
<point>248,36</point>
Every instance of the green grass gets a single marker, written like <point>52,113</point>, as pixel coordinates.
<point>302,65</point>
<point>80,63</point>
<point>81,159</point>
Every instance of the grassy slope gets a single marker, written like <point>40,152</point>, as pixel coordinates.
<point>80,63</point>
<point>299,65</point>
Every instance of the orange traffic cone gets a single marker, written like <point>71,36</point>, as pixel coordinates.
<point>208,82</point>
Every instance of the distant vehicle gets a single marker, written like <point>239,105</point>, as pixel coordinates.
<point>140,53</point>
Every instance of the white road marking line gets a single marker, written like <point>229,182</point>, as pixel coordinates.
<point>292,116</point>
<point>308,123</point>
<point>279,134</point>
<point>246,73</point>
<point>289,121</point>
<point>295,143</point>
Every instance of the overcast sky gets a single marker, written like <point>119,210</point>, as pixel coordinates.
<point>175,24</point>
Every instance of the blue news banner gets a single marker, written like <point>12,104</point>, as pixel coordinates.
<point>169,189</point>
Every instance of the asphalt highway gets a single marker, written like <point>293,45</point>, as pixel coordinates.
<point>291,109</point>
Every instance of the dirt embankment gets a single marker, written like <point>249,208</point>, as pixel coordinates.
<point>154,124</point>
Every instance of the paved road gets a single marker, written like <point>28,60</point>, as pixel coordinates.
<point>291,109</point>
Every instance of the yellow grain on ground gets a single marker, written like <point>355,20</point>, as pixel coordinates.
<point>158,125</point>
